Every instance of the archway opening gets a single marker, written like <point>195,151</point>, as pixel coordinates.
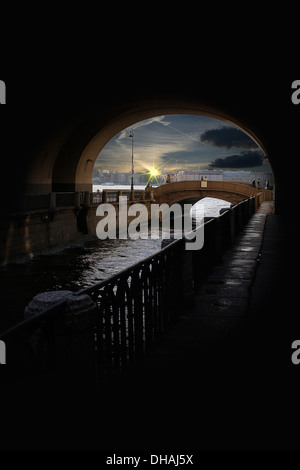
<point>182,147</point>
<point>67,159</point>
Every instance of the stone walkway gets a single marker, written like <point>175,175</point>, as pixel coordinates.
<point>222,377</point>
<point>223,301</point>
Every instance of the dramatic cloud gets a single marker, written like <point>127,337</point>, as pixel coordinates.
<point>227,137</point>
<point>172,142</point>
<point>246,159</point>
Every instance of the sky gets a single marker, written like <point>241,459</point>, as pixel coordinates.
<point>179,142</point>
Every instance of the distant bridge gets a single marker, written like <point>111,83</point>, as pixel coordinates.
<point>185,190</point>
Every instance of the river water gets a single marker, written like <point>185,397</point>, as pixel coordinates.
<point>79,265</point>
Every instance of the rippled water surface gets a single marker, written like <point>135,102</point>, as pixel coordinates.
<point>73,268</point>
<point>80,265</point>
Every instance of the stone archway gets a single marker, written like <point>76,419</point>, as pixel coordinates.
<point>139,112</point>
<point>230,191</point>
<point>66,161</point>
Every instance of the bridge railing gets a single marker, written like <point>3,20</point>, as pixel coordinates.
<point>134,307</point>
<point>112,195</point>
<point>55,200</point>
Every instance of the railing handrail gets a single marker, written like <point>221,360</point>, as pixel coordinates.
<point>44,314</point>
<point>86,290</point>
<point>138,303</point>
<point>126,271</point>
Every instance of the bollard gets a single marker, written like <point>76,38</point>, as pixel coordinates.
<point>73,352</point>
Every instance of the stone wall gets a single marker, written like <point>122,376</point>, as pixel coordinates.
<point>24,234</point>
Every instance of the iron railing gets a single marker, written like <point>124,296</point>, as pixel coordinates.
<point>134,307</point>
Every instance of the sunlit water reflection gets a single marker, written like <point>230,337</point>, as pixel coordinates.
<point>77,266</point>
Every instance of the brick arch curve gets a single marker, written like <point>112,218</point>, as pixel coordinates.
<point>177,192</point>
<point>75,162</point>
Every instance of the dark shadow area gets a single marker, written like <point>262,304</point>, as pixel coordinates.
<point>222,380</point>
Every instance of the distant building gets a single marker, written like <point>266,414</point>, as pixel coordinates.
<point>195,175</point>
<point>241,176</point>
<point>124,178</point>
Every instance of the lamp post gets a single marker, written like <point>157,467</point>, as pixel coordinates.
<point>132,166</point>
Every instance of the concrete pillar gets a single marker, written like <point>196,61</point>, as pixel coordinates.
<point>72,354</point>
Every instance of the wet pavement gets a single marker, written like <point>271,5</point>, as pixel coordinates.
<point>222,377</point>
<point>223,300</point>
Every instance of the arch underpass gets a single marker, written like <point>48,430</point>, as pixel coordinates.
<point>230,191</point>
<point>66,160</point>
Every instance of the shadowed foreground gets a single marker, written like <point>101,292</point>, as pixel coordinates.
<point>221,378</point>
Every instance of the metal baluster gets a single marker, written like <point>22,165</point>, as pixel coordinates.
<point>130,320</point>
<point>136,290</point>
<point>121,302</point>
<point>146,280</point>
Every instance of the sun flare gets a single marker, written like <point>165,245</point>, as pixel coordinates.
<point>153,172</point>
